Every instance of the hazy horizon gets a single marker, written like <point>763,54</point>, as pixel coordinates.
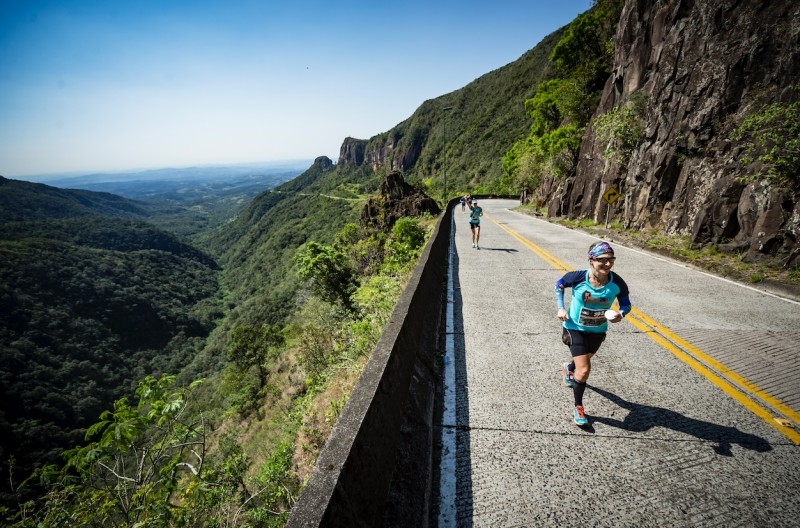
<point>296,164</point>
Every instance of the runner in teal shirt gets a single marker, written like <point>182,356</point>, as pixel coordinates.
<point>594,290</point>
<point>475,215</point>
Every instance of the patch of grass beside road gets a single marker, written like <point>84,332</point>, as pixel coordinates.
<point>767,272</point>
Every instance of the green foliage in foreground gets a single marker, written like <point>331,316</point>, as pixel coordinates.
<point>772,137</point>
<point>148,465</point>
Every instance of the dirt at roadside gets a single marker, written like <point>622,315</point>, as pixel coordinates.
<point>781,288</point>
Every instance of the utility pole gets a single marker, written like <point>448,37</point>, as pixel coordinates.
<point>444,144</point>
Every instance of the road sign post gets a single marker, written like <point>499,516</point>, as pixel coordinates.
<point>610,196</point>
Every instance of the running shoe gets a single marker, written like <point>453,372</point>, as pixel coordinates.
<point>477,246</point>
<point>580,419</point>
<point>567,374</point>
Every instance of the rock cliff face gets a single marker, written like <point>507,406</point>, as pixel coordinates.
<point>703,66</point>
<point>387,152</point>
<point>393,151</point>
<point>352,152</point>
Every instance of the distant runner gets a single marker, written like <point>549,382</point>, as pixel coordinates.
<point>475,223</point>
<point>463,203</point>
<point>585,325</point>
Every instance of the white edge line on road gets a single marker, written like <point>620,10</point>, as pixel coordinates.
<point>447,465</point>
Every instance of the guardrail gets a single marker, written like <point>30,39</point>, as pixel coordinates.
<point>376,467</point>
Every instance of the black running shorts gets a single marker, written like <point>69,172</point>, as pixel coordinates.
<point>582,343</point>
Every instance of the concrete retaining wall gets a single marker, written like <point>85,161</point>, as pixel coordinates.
<point>376,468</point>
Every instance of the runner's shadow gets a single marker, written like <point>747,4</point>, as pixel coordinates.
<point>642,418</point>
<point>507,250</point>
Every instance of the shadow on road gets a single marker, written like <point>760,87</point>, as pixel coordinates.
<point>642,418</point>
<point>507,250</point>
<point>464,497</point>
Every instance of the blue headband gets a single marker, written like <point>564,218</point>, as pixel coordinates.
<point>599,249</point>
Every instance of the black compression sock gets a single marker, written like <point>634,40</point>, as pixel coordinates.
<point>577,390</point>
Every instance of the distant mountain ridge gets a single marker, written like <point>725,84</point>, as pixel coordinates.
<point>21,201</point>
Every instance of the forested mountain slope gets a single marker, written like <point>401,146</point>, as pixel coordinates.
<point>20,200</point>
<point>90,303</point>
<point>257,248</point>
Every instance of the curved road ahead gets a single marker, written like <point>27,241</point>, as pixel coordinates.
<point>693,400</point>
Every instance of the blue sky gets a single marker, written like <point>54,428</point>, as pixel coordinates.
<point>105,85</point>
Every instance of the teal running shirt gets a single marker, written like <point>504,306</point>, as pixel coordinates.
<point>588,305</point>
<point>475,215</point>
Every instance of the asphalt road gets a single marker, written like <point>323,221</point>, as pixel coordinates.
<point>692,402</point>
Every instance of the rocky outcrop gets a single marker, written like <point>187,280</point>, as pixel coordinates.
<point>703,66</point>
<point>323,163</point>
<point>397,199</point>
<point>351,152</point>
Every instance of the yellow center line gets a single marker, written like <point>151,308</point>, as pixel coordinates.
<point>734,377</point>
<point>732,383</point>
<point>542,253</point>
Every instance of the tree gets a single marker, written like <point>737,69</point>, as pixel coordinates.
<point>405,244</point>
<point>328,271</point>
<point>585,52</point>
<point>129,474</point>
<point>622,128</point>
<point>255,347</point>
<point>584,57</point>
<point>560,148</point>
<point>772,137</point>
<point>148,467</point>
<point>545,107</point>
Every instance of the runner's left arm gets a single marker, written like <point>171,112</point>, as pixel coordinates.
<point>623,297</point>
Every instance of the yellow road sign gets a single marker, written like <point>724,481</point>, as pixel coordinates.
<point>611,195</point>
